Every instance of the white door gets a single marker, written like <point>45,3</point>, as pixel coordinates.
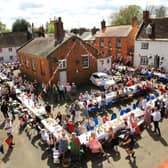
<point>103,64</point>
<point>63,76</point>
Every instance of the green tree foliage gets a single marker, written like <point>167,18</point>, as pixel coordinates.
<point>158,11</point>
<point>125,14</point>
<point>50,27</point>
<point>20,25</point>
<point>3,28</point>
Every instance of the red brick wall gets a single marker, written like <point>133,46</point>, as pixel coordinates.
<point>74,60</point>
<point>127,44</point>
<point>74,63</point>
<point>42,68</point>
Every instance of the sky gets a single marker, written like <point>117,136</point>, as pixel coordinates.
<point>74,13</point>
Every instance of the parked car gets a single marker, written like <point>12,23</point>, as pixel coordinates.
<point>102,80</point>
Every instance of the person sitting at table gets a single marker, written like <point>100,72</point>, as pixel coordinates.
<point>130,82</point>
<point>105,118</point>
<point>44,136</point>
<point>112,139</point>
<point>91,124</point>
<point>81,97</point>
<point>86,95</point>
<point>82,127</point>
<point>59,117</point>
<point>70,126</point>
<point>85,109</point>
<point>94,145</point>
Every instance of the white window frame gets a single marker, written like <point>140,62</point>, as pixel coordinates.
<point>27,62</point>
<point>10,49</point>
<point>101,42</point>
<point>1,59</point>
<point>11,57</point>
<point>119,45</point>
<point>62,64</point>
<point>144,45</point>
<point>33,65</point>
<point>144,60</point>
<point>84,61</point>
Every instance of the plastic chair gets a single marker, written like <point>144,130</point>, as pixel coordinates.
<point>96,121</point>
<point>113,116</point>
<point>134,106</point>
<point>127,110</point>
<point>122,112</point>
<point>147,98</point>
<point>156,94</point>
<point>89,128</point>
<point>152,97</point>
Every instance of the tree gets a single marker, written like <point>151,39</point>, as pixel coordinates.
<point>3,28</point>
<point>125,14</point>
<point>50,27</point>
<point>160,11</point>
<point>20,25</point>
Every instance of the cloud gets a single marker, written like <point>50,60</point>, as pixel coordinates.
<point>29,5</point>
<point>74,13</point>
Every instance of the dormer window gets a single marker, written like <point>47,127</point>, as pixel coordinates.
<point>148,29</point>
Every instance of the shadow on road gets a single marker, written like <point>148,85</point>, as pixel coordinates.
<point>156,137</point>
<point>6,157</point>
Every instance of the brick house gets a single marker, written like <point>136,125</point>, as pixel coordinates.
<point>151,43</point>
<point>71,58</point>
<point>115,43</point>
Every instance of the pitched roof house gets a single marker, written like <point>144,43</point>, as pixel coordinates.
<point>9,43</point>
<point>115,43</point>
<point>151,43</point>
<point>60,57</point>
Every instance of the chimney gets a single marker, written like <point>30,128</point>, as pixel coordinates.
<point>134,21</point>
<point>146,17</point>
<point>59,30</point>
<point>93,30</point>
<point>103,25</point>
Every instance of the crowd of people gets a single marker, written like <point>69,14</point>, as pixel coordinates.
<point>83,114</point>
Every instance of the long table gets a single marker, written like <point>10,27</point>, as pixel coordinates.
<point>52,126</point>
<point>116,124</point>
<point>112,95</point>
<point>34,108</point>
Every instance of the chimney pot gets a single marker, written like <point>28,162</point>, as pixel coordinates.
<point>103,25</point>
<point>146,17</point>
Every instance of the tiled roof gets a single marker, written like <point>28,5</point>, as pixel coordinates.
<point>115,31</point>
<point>12,39</point>
<point>87,36</point>
<point>160,29</point>
<point>43,46</point>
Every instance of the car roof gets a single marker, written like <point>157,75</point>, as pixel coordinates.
<point>100,74</point>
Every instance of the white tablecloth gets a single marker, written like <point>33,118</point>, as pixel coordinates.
<point>30,105</point>
<point>101,132</point>
<point>52,126</point>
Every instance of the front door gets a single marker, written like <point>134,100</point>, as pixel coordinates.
<point>63,76</point>
<point>104,64</point>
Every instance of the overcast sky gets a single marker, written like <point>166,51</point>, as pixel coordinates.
<point>74,13</point>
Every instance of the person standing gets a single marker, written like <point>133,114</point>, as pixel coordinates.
<point>129,142</point>
<point>156,118</point>
<point>4,109</point>
<point>9,129</point>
